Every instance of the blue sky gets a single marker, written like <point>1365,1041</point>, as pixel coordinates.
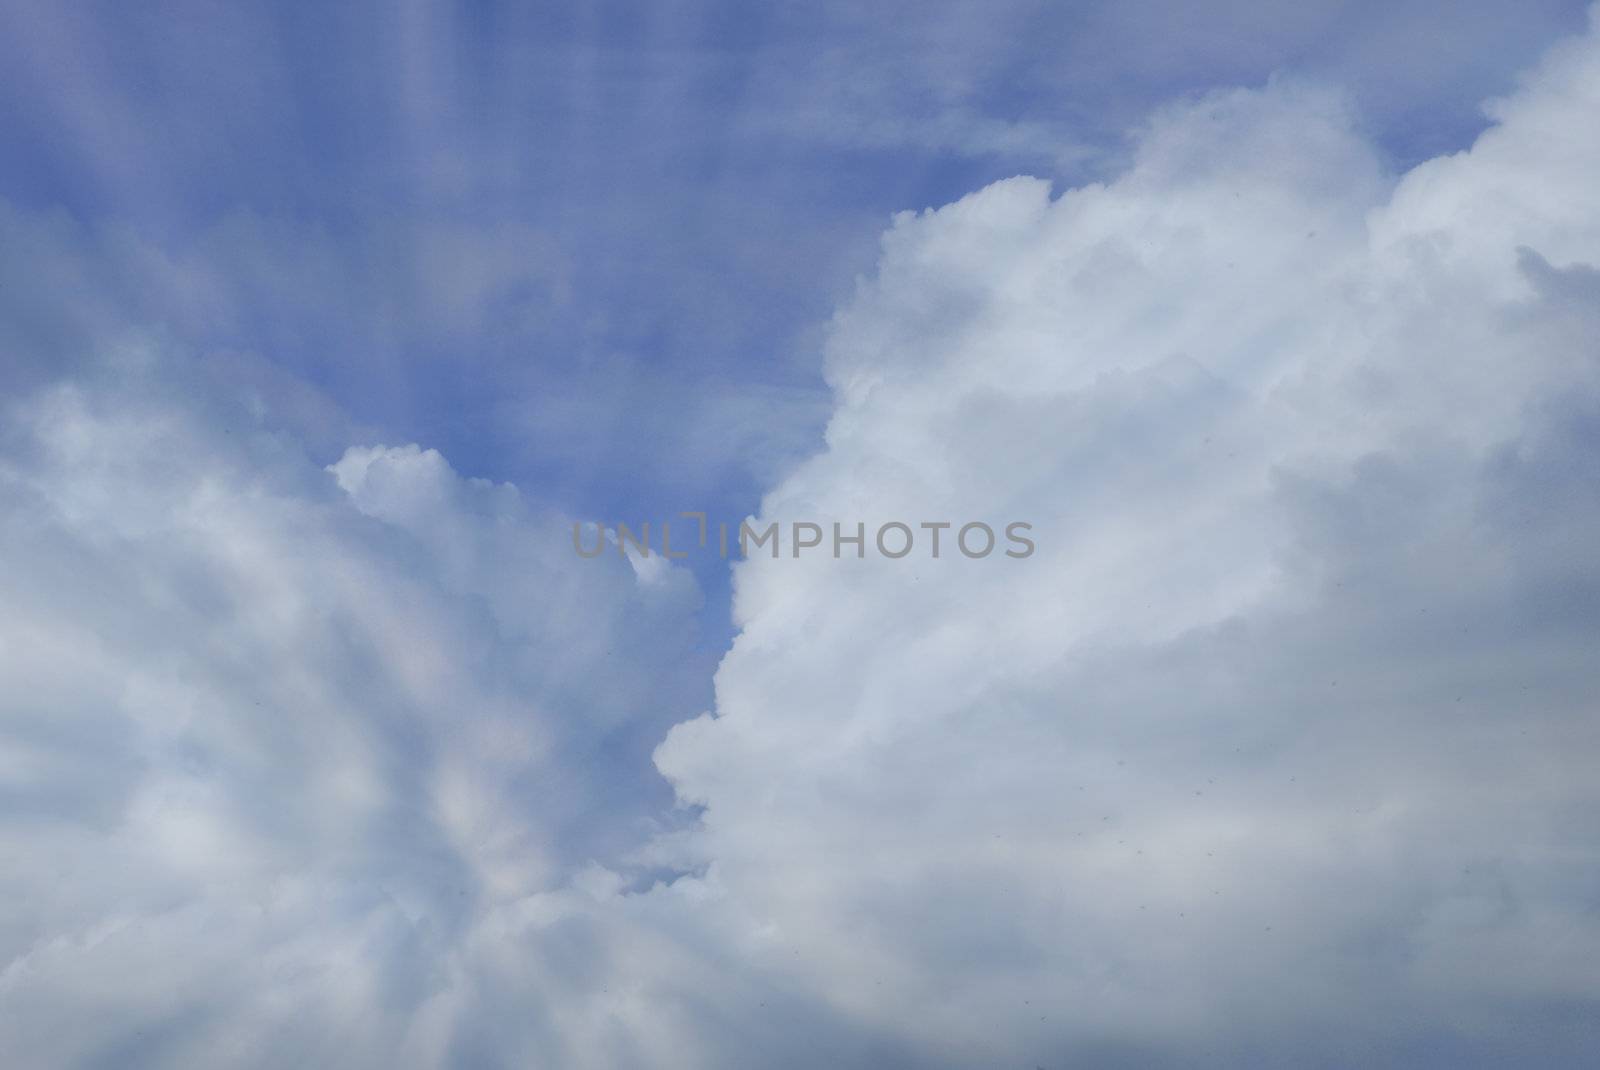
<point>321,324</point>
<point>656,207</point>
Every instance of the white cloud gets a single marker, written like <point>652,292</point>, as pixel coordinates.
<point>1282,737</point>
<point>1281,741</point>
<point>281,743</point>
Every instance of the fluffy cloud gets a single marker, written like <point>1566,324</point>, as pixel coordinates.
<point>1283,739</point>
<point>281,741</point>
<point>1281,742</point>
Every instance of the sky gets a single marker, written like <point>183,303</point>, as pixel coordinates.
<point>321,326</point>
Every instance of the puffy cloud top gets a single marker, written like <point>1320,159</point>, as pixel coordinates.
<point>1281,739</point>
